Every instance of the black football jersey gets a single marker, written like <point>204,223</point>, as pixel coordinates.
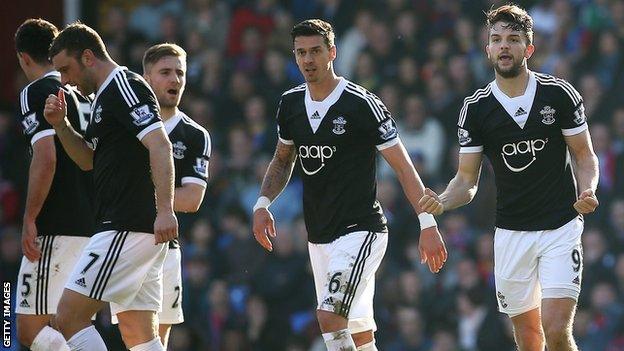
<point>336,141</point>
<point>124,110</point>
<point>525,143</point>
<point>68,208</point>
<point>191,152</point>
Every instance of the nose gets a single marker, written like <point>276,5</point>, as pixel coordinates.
<point>307,58</point>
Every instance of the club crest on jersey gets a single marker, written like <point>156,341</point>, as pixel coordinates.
<point>387,129</point>
<point>97,115</point>
<point>141,115</point>
<point>201,167</point>
<point>30,123</point>
<point>339,124</point>
<point>579,115</point>
<point>548,115</point>
<point>93,143</point>
<point>178,150</point>
<point>464,136</point>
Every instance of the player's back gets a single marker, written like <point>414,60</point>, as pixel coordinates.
<point>68,208</point>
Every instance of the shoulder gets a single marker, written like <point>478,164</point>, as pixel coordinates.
<point>472,102</point>
<point>293,91</point>
<point>37,91</point>
<point>559,87</point>
<point>364,100</point>
<point>197,134</point>
<point>131,87</point>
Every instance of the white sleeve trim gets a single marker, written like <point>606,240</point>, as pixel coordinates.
<point>193,180</point>
<point>41,134</point>
<point>470,149</point>
<point>574,131</point>
<point>150,128</point>
<point>287,142</point>
<point>388,144</point>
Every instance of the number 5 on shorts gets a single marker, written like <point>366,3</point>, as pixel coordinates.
<point>93,259</point>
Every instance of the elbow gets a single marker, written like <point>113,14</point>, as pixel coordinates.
<point>85,166</point>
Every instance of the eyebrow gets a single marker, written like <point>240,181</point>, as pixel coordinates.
<point>314,47</point>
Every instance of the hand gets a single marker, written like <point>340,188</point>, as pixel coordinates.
<point>587,202</point>
<point>430,203</point>
<point>29,240</point>
<point>432,249</point>
<point>165,227</point>
<point>55,109</point>
<point>263,224</point>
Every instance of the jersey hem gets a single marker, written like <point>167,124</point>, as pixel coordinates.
<point>150,128</point>
<point>42,134</point>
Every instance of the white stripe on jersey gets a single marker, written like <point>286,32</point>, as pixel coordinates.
<point>478,95</point>
<point>127,84</point>
<point>24,100</point>
<point>300,87</point>
<point>373,101</point>
<point>125,90</point>
<point>567,87</point>
<point>207,142</point>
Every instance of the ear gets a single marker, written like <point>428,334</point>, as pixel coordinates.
<point>147,78</point>
<point>529,51</point>
<point>332,53</point>
<point>487,50</point>
<point>87,58</point>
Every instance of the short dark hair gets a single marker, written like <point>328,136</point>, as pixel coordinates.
<point>312,27</point>
<point>516,16</point>
<point>34,38</point>
<point>158,51</point>
<point>76,38</point>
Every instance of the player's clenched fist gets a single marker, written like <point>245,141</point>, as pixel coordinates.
<point>430,203</point>
<point>165,227</point>
<point>587,202</point>
<point>55,108</point>
<point>263,227</point>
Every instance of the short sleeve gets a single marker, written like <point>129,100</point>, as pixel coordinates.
<point>283,133</point>
<point>140,112</point>
<point>572,119</point>
<point>468,133</point>
<point>34,124</point>
<point>380,126</point>
<point>194,168</point>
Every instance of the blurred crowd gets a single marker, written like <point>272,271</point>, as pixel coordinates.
<point>422,57</point>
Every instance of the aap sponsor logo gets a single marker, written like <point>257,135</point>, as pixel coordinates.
<point>313,157</point>
<point>520,155</point>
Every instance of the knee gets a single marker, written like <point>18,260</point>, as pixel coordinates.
<point>25,335</point>
<point>529,331</point>
<point>134,332</point>
<point>329,321</point>
<point>557,330</point>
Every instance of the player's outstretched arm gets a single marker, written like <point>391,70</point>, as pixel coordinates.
<point>55,112</point>
<point>431,245</point>
<point>161,164</point>
<point>40,177</point>
<point>460,190</point>
<point>275,179</point>
<point>586,171</point>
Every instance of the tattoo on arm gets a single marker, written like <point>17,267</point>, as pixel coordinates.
<point>279,171</point>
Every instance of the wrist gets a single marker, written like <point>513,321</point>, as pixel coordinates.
<point>263,202</point>
<point>28,217</point>
<point>426,220</point>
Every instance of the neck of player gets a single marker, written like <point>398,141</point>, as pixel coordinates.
<point>102,70</point>
<point>323,87</point>
<point>37,72</point>
<point>167,112</point>
<point>515,86</point>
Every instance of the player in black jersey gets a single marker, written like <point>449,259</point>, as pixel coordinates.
<point>164,68</point>
<point>335,128</point>
<point>127,147</point>
<point>58,218</point>
<point>528,125</point>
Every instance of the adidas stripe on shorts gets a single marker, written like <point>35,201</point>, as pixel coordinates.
<point>41,283</point>
<point>123,268</point>
<point>344,276</point>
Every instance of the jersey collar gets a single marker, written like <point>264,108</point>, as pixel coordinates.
<point>172,122</point>
<point>518,107</point>
<point>108,80</point>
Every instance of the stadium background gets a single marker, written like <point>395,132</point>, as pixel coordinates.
<point>421,57</point>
